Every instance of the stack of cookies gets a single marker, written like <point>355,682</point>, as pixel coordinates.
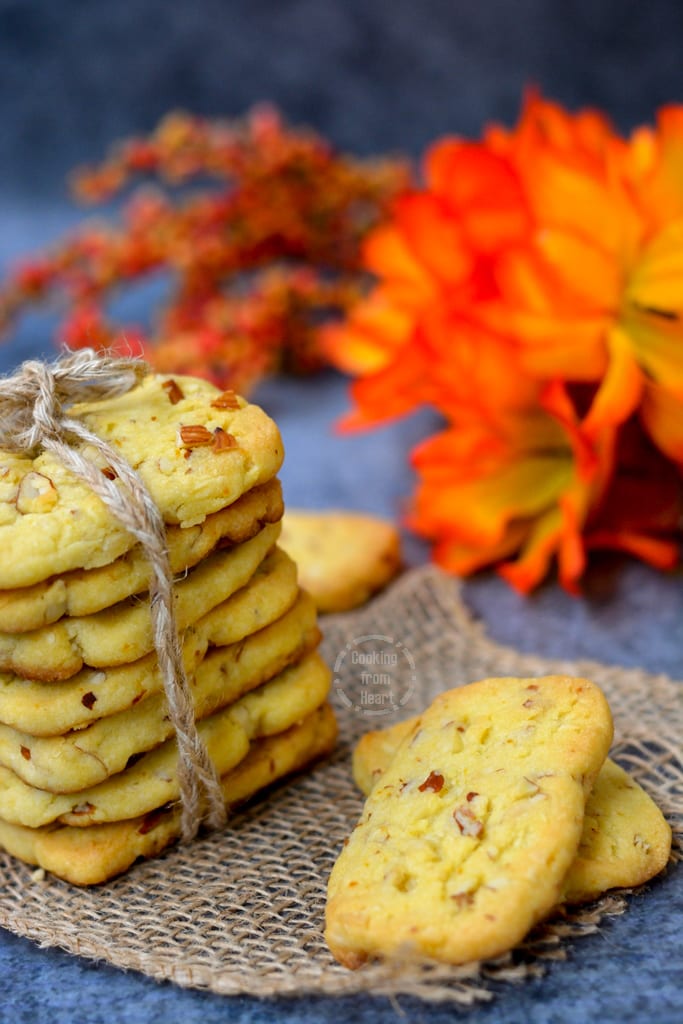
<point>88,757</point>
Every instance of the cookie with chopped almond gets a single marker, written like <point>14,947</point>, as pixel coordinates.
<point>52,709</point>
<point>343,557</point>
<point>123,633</point>
<point>85,591</point>
<point>466,841</point>
<point>262,706</point>
<point>84,757</point>
<point>625,839</point>
<point>196,449</point>
<point>89,856</point>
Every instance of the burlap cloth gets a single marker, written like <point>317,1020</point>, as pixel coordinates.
<point>241,911</point>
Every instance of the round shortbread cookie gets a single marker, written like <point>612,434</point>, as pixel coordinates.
<point>625,839</point>
<point>85,591</point>
<point>52,709</point>
<point>196,454</point>
<point>343,557</point>
<point>466,842</point>
<point>123,633</point>
<point>85,757</point>
<point>152,780</point>
<point>89,856</point>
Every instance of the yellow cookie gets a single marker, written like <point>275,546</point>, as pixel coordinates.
<point>88,856</point>
<point>84,757</point>
<point>625,839</point>
<point>52,709</point>
<point>52,523</point>
<point>343,557</point>
<point>466,842</point>
<point>85,591</point>
<point>152,781</point>
<point>123,633</point>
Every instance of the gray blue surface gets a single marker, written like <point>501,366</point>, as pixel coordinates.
<point>374,74</point>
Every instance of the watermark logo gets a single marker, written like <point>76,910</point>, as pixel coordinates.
<point>374,675</point>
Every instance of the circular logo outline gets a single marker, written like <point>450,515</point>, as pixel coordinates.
<point>393,706</point>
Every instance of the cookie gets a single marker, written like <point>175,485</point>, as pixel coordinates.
<point>85,591</point>
<point>88,856</point>
<point>343,557</point>
<point>84,757</point>
<point>465,843</point>
<point>625,839</point>
<point>151,781</point>
<point>625,842</point>
<point>52,709</point>
<point>53,523</point>
<point>123,633</point>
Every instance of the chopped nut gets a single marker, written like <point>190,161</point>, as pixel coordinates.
<point>434,781</point>
<point>641,843</point>
<point>88,699</point>
<point>227,400</point>
<point>223,441</point>
<point>467,823</point>
<point>36,493</point>
<point>84,808</point>
<point>194,436</point>
<point>151,821</point>
<point>173,390</point>
<point>38,875</point>
<point>462,899</point>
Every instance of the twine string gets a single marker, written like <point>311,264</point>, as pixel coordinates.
<point>32,416</point>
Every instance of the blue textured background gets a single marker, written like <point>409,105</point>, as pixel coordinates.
<point>382,75</point>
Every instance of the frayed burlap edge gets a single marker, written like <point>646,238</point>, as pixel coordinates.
<point>242,911</point>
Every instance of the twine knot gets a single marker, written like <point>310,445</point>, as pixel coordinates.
<point>33,404</point>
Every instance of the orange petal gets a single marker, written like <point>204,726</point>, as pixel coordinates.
<point>387,254</point>
<point>564,194</point>
<point>462,559</point>
<point>554,346</point>
<point>585,269</point>
<point>655,281</point>
<point>482,190</point>
<point>534,562</point>
<point>370,337</point>
<point>658,162</point>
<point>661,554</point>
<point>434,237</point>
<point>478,511</point>
<point>473,370</point>
<point>662,416</point>
<point>572,553</point>
<point>395,391</point>
<point>620,390</point>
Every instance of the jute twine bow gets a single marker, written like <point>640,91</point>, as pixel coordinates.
<point>32,416</point>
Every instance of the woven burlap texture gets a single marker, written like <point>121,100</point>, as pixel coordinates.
<point>242,911</point>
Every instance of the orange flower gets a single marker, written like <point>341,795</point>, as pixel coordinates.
<point>523,487</point>
<point>532,292</point>
<point>595,293</point>
<point>421,334</point>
